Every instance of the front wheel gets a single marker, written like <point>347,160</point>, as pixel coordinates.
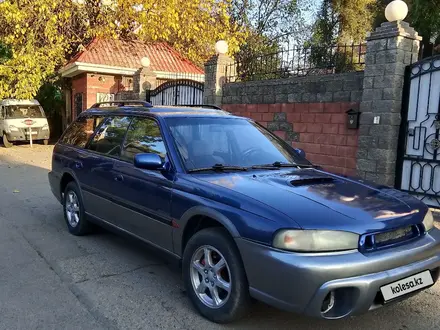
<point>6,142</point>
<point>46,142</point>
<point>214,276</point>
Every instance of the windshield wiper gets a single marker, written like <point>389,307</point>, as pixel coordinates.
<point>219,168</point>
<point>278,165</point>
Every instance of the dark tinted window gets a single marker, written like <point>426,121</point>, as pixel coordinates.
<point>143,137</point>
<point>108,139</point>
<point>79,133</point>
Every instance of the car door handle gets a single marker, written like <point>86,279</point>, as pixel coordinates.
<point>78,165</point>
<point>119,178</point>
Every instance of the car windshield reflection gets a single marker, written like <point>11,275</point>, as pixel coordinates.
<point>235,142</point>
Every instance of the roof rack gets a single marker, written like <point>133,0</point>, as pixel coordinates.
<point>123,103</point>
<point>208,106</point>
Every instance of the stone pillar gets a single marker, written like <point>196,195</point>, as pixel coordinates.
<point>144,80</point>
<point>217,69</point>
<point>390,49</point>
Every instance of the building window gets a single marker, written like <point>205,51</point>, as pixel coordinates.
<point>78,103</point>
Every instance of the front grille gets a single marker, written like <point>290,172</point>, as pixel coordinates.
<point>376,241</point>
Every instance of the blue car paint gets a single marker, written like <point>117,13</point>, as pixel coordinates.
<point>252,205</point>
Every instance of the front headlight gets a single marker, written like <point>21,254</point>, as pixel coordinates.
<point>45,127</point>
<point>428,221</point>
<point>315,240</point>
<point>12,128</point>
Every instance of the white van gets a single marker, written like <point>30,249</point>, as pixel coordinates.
<point>17,116</point>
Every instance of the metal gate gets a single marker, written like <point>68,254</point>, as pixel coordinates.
<point>419,150</point>
<point>177,92</point>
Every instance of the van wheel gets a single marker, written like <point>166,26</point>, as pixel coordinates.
<point>214,276</point>
<point>46,142</point>
<point>6,142</point>
<point>74,213</point>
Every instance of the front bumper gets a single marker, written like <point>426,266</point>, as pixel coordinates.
<point>23,134</point>
<point>300,282</point>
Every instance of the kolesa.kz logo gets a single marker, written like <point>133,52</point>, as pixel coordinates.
<point>408,285</point>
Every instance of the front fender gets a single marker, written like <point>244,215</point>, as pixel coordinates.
<point>200,211</point>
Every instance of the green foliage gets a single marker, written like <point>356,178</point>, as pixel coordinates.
<point>355,18</point>
<point>270,26</point>
<point>51,99</point>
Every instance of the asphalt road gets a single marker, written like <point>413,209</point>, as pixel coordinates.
<point>52,280</point>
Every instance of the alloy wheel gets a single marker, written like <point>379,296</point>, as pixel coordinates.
<point>210,276</point>
<point>72,209</point>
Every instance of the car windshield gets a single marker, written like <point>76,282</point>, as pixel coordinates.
<point>24,111</point>
<point>206,142</point>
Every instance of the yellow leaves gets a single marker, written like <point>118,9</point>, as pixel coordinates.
<point>42,34</point>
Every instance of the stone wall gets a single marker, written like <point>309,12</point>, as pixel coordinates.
<point>345,87</point>
<point>307,112</point>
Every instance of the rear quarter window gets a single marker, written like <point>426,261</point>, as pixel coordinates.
<point>79,133</point>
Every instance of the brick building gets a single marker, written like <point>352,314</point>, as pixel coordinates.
<point>109,69</point>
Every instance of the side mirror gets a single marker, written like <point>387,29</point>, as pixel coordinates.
<point>301,152</point>
<point>148,161</point>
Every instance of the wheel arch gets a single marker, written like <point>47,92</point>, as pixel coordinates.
<point>66,177</point>
<point>196,219</point>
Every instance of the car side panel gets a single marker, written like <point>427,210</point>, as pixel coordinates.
<point>188,201</point>
<point>144,202</point>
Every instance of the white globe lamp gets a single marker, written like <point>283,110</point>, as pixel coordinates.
<point>397,10</point>
<point>221,47</point>
<point>145,62</point>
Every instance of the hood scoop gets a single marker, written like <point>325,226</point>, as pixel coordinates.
<point>308,181</point>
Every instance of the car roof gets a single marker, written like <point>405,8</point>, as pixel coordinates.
<point>159,111</point>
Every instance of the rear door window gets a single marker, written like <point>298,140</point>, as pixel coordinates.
<point>79,133</point>
<point>110,135</point>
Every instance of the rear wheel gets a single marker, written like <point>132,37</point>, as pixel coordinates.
<point>6,142</point>
<point>74,211</point>
<point>214,276</point>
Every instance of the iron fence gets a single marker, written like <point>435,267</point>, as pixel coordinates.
<point>299,61</point>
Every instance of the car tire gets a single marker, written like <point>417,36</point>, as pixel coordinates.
<point>46,142</point>
<point>74,213</point>
<point>6,142</point>
<point>228,306</point>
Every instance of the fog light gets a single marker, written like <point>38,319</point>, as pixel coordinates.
<point>328,303</point>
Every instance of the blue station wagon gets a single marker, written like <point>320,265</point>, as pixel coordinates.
<point>245,213</point>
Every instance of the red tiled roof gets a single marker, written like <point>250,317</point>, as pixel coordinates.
<point>128,54</point>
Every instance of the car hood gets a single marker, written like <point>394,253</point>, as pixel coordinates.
<point>307,196</point>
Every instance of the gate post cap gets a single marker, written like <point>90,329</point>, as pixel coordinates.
<point>221,47</point>
<point>396,10</point>
<point>145,62</point>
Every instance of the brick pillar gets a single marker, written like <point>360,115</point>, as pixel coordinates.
<point>143,80</point>
<point>217,69</point>
<point>391,48</point>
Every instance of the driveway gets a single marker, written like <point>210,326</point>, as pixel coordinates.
<point>52,280</point>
